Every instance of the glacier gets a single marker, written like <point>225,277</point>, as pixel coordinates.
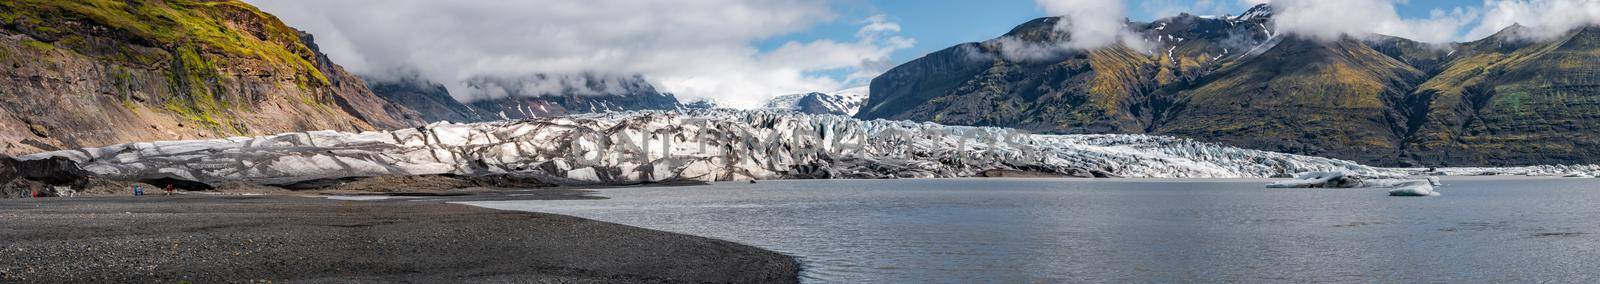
<point>700,145</point>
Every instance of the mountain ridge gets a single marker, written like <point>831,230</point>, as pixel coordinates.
<point>1374,99</point>
<point>522,97</point>
<point>845,102</point>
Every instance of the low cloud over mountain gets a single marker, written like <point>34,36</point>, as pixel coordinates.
<point>693,48</point>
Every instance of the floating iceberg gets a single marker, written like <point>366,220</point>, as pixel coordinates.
<point>1413,188</point>
<point>1321,180</point>
<point>1399,186</point>
<point>706,145</point>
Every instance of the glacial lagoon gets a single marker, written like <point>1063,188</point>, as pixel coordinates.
<point>1493,229</point>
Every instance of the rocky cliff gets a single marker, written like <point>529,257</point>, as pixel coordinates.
<point>99,72</point>
<point>1504,100</point>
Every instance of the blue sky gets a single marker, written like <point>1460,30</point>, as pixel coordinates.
<point>938,24</point>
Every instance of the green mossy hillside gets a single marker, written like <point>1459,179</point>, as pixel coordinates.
<point>198,44</point>
<point>226,27</point>
<point>1515,98</point>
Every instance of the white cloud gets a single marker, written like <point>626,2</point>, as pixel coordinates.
<point>1014,49</point>
<point>1092,23</point>
<point>693,48</point>
<point>1087,24</point>
<point>1329,20</point>
<point>875,41</point>
<point>1545,18</point>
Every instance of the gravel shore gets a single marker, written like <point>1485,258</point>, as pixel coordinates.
<point>276,238</point>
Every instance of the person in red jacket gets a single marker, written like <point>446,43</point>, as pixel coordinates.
<point>169,190</point>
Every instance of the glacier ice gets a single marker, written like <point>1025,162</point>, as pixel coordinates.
<point>1320,180</point>
<point>706,145</point>
<point>1540,170</point>
<point>1413,188</point>
<point>1397,185</point>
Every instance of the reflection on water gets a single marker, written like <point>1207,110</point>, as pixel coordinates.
<point>1060,230</point>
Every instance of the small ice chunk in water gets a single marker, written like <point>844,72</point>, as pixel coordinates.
<point>1413,188</point>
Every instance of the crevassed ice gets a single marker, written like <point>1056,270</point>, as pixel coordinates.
<point>708,145</point>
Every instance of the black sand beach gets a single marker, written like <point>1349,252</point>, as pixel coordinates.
<point>207,239</point>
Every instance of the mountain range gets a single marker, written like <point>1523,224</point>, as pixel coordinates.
<point>99,72</point>
<point>509,98</point>
<point>1508,99</point>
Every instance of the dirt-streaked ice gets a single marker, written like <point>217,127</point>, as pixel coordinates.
<point>708,145</point>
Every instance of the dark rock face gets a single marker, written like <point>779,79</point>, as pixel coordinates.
<point>177,183</point>
<point>556,95</point>
<point>81,75</point>
<point>431,100</point>
<point>39,178</point>
<point>1380,100</point>
<point>918,82</point>
<point>511,98</point>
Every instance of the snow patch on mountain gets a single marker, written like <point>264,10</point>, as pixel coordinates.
<point>841,102</point>
<point>1260,11</point>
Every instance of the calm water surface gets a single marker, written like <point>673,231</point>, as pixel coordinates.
<point>1058,230</point>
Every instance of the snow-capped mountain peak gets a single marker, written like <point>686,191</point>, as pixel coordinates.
<point>841,102</point>
<point>1262,11</point>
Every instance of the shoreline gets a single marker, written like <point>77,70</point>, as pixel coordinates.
<point>233,238</point>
